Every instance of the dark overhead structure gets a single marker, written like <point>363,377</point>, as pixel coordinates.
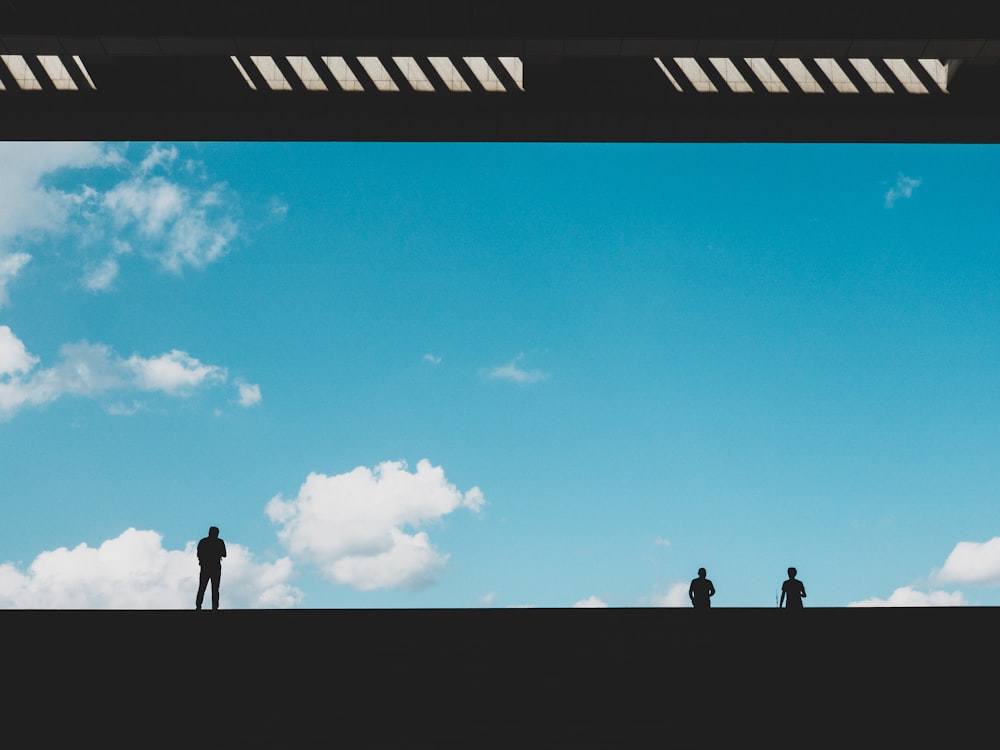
<point>485,70</point>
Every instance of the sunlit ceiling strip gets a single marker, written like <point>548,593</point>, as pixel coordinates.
<point>306,73</point>
<point>836,75</point>
<point>698,77</point>
<point>731,75</point>
<point>378,73</point>
<point>801,75</point>
<point>86,73</point>
<point>243,72</point>
<point>414,75</point>
<point>515,67</point>
<point>21,72</point>
<point>668,74</point>
<point>938,71</point>
<point>871,76</point>
<point>272,74</point>
<point>763,70</point>
<point>906,75</point>
<point>449,74</point>
<point>484,74</point>
<point>57,72</point>
<point>342,73</point>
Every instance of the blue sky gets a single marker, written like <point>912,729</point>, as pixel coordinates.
<point>499,375</point>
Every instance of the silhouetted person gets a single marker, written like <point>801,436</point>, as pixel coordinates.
<point>211,550</point>
<point>792,591</point>
<point>701,591</point>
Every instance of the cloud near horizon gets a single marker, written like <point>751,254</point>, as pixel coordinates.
<point>907,596</point>
<point>361,528</point>
<point>93,370</point>
<point>135,571</point>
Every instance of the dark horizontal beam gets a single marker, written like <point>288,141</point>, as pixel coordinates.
<point>735,19</point>
<point>584,70</point>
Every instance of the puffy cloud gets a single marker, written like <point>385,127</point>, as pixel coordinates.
<point>591,602</point>
<point>134,571</point>
<point>676,596</point>
<point>90,370</point>
<point>903,188</point>
<point>972,563</point>
<point>360,527</point>
<point>174,372</point>
<point>514,373</point>
<point>249,394</point>
<point>907,596</point>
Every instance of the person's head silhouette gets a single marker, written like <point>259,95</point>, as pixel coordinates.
<point>792,572</point>
<point>702,572</point>
<point>213,531</point>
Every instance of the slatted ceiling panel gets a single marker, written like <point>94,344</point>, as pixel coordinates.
<point>271,73</point>
<point>413,73</point>
<point>801,75</point>
<point>57,72</point>
<point>342,73</point>
<point>307,73</point>
<point>452,78</point>
<point>515,68</point>
<point>838,79</point>
<point>18,68</point>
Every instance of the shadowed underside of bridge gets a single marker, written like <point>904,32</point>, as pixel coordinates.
<point>609,678</point>
<point>373,70</point>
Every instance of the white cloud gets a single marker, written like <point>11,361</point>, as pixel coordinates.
<point>903,188</point>
<point>173,372</point>
<point>487,599</point>
<point>100,277</point>
<point>360,527</point>
<point>592,602</point>
<point>907,596</point>
<point>91,370</point>
<point>432,359</point>
<point>249,394</point>
<point>134,571</point>
<point>676,596</point>
<point>176,222</point>
<point>661,542</point>
<point>972,563</point>
<point>14,357</point>
<point>26,205</point>
<point>10,265</point>
<point>514,373</point>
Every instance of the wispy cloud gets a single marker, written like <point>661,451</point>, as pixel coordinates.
<point>135,571</point>
<point>907,596</point>
<point>514,373</point>
<point>92,370</point>
<point>903,188</point>
<point>361,528</point>
<point>432,359</point>
<point>661,542</point>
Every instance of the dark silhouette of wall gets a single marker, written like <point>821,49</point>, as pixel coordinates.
<point>522,677</point>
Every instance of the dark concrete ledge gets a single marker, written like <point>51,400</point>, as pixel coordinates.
<point>613,678</point>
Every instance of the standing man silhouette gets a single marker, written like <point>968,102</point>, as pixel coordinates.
<point>701,591</point>
<point>792,591</point>
<point>211,550</point>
